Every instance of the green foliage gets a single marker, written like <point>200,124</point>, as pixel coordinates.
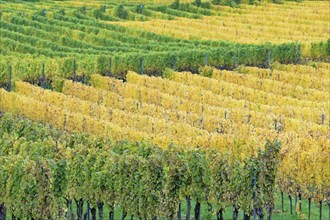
<point>167,73</point>
<point>56,41</point>
<point>175,4</point>
<point>61,12</point>
<point>100,14</point>
<point>320,50</point>
<point>277,1</point>
<point>197,3</point>
<point>121,12</point>
<point>40,166</point>
<point>237,2</point>
<point>57,84</point>
<point>216,2</point>
<point>231,3</point>
<point>153,62</point>
<point>80,12</point>
<point>196,8</point>
<point>206,71</point>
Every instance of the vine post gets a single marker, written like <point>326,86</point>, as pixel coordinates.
<point>299,54</point>
<point>84,9</point>
<point>275,124</point>
<point>269,58</point>
<point>141,9</point>
<point>290,199</point>
<point>188,207</point>
<point>179,212</point>
<point>88,211</point>
<point>320,210</point>
<point>197,210</point>
<point>2,212</point>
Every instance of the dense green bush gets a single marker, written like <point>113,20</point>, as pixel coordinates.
<point>175,4</point>
<point>197,3</point>
<point>321,51</point>
<point>121,12</point>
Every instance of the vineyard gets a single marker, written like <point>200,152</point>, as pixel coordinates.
<point>164,110</point>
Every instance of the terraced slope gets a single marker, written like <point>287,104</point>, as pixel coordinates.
<point>197,111</point>
<point>303,22</point>
<point>50,36</point>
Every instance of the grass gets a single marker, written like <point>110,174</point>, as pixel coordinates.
<point>277,213</point>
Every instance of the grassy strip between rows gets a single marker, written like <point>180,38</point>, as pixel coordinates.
<point>277,214</point>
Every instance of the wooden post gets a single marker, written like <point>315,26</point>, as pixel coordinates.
<point>104,8</point>
<point>179,212</point>
<point>141,9</point>
<point>10,78</point>
<point>124,214</point>
<point>275,126</point>
<point>74,71</point>
<point>88,211</point>
<point>141,66</point>
<point>197,210</point>
<point>84,9</point>
<point>290,199</point>
<point>188,200</point>
<point>3,212</point>
<point>320,210</point>
<point>207,59</point>
<point>225,114</point>
<point>100,207</point>
<point>44,12</point>
<point>323,118</point>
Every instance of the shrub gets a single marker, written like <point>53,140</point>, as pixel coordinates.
<point>175,4</point>
<point>121,12</point>
<point>197,3</point>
